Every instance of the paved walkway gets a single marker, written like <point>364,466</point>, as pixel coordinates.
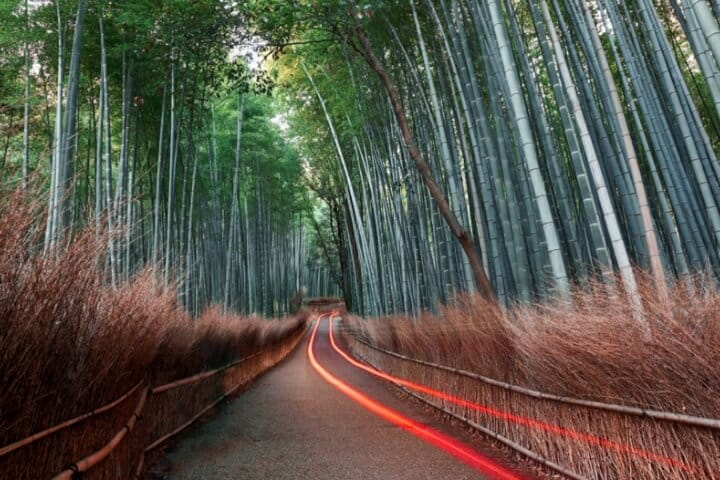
<point>292,424</point>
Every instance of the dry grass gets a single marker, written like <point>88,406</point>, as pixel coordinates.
<point>69,344</point>
<point>593,351</point>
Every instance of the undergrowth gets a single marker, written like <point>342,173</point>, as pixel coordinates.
<point>70,343</point>
<point>593,349</point>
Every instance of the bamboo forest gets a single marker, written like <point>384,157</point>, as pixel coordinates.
<point>504,213</point>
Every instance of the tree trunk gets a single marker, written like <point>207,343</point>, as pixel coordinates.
<point>482,283</point>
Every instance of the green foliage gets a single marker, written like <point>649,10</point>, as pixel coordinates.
<point>12,62</point>
<point>269,163</point>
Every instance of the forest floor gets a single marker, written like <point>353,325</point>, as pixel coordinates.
<point>292,424</point>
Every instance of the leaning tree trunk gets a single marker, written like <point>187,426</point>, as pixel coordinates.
<point>481,280</point>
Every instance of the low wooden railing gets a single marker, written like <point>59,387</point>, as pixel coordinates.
<point>154,406</point>
<point>606,440</point>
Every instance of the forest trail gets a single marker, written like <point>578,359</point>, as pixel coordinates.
<point>292,424</point>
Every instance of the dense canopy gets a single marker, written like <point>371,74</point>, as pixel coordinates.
<point>396,152</point>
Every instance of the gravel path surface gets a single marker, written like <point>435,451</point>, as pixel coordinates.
<point>291,424</point>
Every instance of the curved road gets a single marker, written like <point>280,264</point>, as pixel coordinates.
<point>316,416</point>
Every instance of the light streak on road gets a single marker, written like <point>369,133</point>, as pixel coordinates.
<point>520,420</point>
<point>486,466</point>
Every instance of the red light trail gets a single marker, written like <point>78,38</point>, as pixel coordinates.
<point>464,453</point>
<point>520,420</point>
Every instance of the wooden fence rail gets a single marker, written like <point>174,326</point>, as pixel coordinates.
<point>80,468</point>
<point>636,411</point>
<point>581,439</point>
<point>68,423</point>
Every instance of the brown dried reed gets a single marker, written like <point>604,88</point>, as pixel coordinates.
<point>593,350</point>
<point>69,343</point>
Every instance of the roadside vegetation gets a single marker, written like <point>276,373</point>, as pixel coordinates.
<point>528,189</point>
<point>72,343</point>
<point>590,351</point>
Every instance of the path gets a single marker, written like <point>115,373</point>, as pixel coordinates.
<point>292,424</point>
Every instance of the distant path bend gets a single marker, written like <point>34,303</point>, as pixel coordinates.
<point>293,424</point>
